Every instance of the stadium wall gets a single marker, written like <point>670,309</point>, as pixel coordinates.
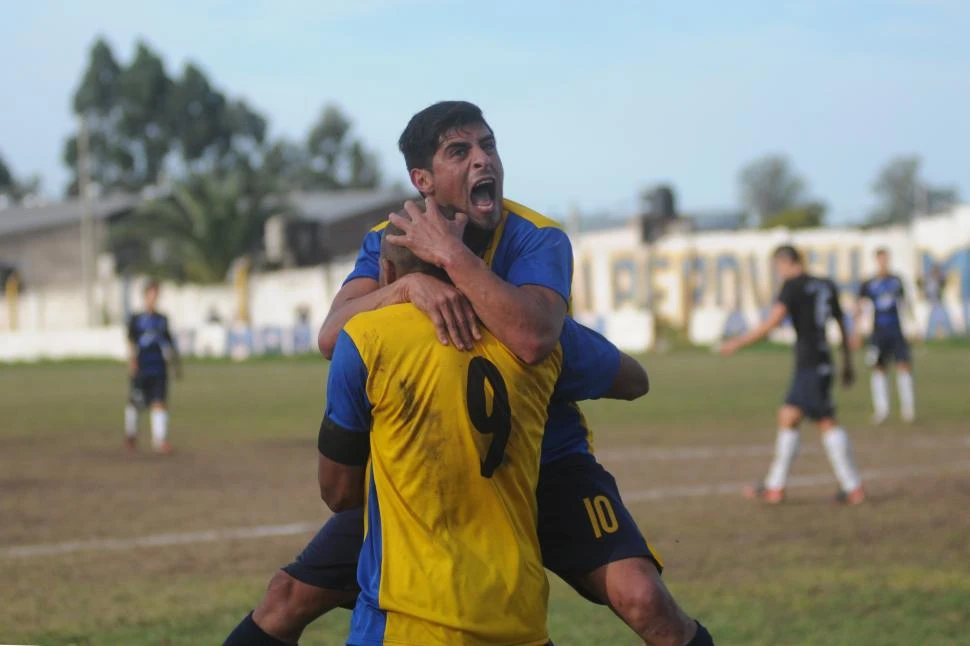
<point>711,284</point>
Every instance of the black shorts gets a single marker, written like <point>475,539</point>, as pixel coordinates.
<point>148,389</point>
<point>811,392</point>
<point>885,349</point>
<point>330,558</point>
<point>583,525</point>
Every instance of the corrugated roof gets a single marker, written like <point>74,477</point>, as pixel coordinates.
<point>321,206</point>
<point>333,206</point>
<point>22,219</point>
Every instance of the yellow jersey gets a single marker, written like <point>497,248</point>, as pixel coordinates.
<point>450,553</point>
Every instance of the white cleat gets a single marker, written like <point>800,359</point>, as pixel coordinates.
<point>879,418</point>
<point>909,418</point>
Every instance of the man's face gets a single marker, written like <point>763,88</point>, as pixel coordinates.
<point>151,298</point>
<point>466,173</point>
<point>785,268</point>
<point>882,262</point>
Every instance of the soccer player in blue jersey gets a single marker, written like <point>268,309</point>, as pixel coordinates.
<point>888,344</point>
<point>514,273</point>
<point>150,341</point>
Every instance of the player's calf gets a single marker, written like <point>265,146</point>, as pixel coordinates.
<point>635,592</point>
<point>287,608</point>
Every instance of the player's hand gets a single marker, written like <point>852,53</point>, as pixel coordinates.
<point>453,317</point>
<point>848,375</point>
<point>428,234</point>
<point>132,367</point>
<point>729,347</point>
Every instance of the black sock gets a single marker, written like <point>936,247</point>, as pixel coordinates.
<point>247,633</point>
<point>702,637</point>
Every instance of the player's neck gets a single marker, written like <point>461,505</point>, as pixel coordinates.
<point>477,239</point>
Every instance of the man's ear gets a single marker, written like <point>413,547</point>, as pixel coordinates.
<point>422,180</point>
<point>388,273</point>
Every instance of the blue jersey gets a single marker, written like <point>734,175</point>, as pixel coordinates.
<point>886,294</point>
<point>529,249</point>
<point>150,335</point>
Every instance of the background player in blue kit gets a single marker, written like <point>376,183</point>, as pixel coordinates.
<point>888,344</point>
<point>150,342</point>
<point>810,302</point>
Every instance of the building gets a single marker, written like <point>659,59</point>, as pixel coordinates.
<point>42,243</point>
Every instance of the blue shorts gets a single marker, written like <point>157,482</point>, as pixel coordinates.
<point>583,525</point>
<point>148,389</point>
<point>811,392</point>
<point>885,349</point>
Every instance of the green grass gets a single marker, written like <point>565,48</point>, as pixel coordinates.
<point>891,573</point>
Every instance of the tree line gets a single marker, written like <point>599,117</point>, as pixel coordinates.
<point>149,127</point>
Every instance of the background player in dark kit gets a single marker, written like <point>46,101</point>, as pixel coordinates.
<point>149,344</point>
<point>888,344</point>
<point>810,302</point>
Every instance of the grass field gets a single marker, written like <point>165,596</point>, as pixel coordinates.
<point>72,503</point>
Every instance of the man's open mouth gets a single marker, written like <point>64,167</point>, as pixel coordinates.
<point>483,194</point>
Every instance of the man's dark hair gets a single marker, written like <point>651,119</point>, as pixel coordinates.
<point>403,259</point>
<point>789,253</point>
<point>424,131</point>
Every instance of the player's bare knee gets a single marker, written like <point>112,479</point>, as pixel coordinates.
<point>289,601</point>
<point>642,600</point>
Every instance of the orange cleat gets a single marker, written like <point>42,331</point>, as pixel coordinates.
<point>130,444</point>
<point>855,497</point>
<point>164,448</point>
<point>765,495</point>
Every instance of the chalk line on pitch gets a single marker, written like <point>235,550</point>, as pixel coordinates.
<point>291,529</point>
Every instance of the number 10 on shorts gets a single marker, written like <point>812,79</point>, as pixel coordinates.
<point>601,515</point>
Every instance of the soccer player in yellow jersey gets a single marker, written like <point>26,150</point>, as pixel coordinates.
<point>451,443</point>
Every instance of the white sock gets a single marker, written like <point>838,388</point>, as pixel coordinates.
<point>907,398</point>
<point>839,450</point>
<point>131,421</point>
<point>159,427</point>
<point>786,448</point>
<point>880,394</point>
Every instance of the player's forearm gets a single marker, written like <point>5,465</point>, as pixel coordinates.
<point>518,318</point>
<point>338,316</point>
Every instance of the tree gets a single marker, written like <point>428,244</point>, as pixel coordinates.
<point>901,192</point>
<point>6,177</point>
<point>16,189</point>
<point>96,100</point>
<point>806,216</point>
<point>769,185</point>
<point>144,93</point>
<point>336,159</point>
<point>208,222</point>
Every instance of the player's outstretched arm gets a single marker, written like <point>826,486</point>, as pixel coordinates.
<point>631,380</point>
<point>775,317</point>
<point>527,318</point>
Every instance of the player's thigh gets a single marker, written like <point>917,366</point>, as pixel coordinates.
<point>810,394</point>
<point>789,416</point>
<point>329,560</point>
<point>155,389</point>
<point>903,354</point>
<point>583,523</point>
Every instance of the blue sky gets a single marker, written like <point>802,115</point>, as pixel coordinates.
<point>590,100</point>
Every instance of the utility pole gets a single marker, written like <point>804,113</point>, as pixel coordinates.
<point>87,239</point>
